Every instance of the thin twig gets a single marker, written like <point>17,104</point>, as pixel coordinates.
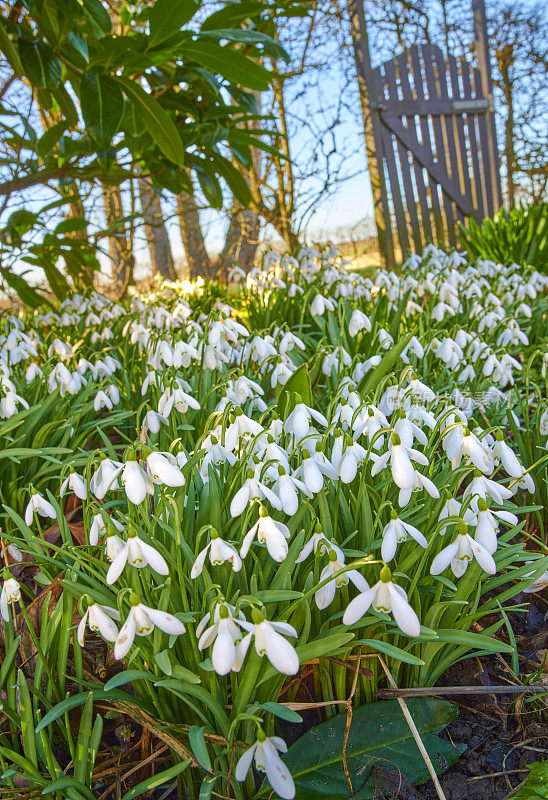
<point>414,731</point>
<point>437,691</point>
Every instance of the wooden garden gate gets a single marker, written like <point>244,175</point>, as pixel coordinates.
<point>431,140</point>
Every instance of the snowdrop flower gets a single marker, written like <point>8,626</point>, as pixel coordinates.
<point>252,490</point>
<point>358,322</point>
<point>41,506</point>
<point>538,584</point>
<point>460,553</point>
<point>137,553</point>
<point>113,546</point>
<point>226,655</point>
<point>487,526</point>
<point>135,481</point>
<point>76,484</point>
<point>11,593</point>
<point>420,482</point>
<point>219,552</point>
<point>298,421</point>
<point>334,360</point>
<point>216,454</point>
<point>403,472</point>
<point>270,532</point>
<point>141,621</point>
<point>99,619</point>
<point>321,304</point>
<point>460,442</point>
<point>152,421</point>
<point>270,642</point>
<point>163,469</point>
<point>106,477</point>
<point>388,597</point>
<point>483,487</point>
<point>452,508</point>
<point>98,527</point>
<point>33,371</point>
<point>286,487</point>
<point>395,532</point>
<point>102,400</point>
<point>265,753</point>
<point>15,553</point>
<point>325,595</point>
<point>312,470</point>
<point>319,541</point>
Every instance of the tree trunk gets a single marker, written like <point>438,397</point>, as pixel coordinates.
<point>241,241</point>
<point>120,245</point>
<point>198,261</point>
<point>159,247</point>
<point>505,58</point>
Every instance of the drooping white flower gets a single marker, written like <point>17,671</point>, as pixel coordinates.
<point>321,304</point>
<point>163,469</point>
<point>136,481</point>
<point>265,753</point>
<point>11,593</point>
<point>400,457</point>
<point>106,477</point>
<point>388,597</point>
<point>325,595</point>
<point>270,532</point>
<point>225,636</point>
<point>76,484</point>
<point>41,506</point>
<point>319,541</point>
<point>99,619</point>
<point>487,526</point>
<point>252,489</point>
<point>460,553</point>
<point>98,527</point>
<point>358,322</point>
<point>298,421</point>
<point>396,531</point>
<point>137,553</point>
<point>538,585</point>
<point>483,487</point>
<point>219,552</point>
<point>141,621</point>
<point>270,642</point>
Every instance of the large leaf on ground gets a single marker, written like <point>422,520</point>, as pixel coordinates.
<point>379,739</point>
<point>536,785</point>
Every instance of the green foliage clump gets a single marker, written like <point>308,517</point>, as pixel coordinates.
<point>517,236</point>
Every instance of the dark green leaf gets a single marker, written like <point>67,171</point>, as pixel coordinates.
<point>378,734</point>
<point>168,16</point>
<point>102,104</point>
<point>231,64</point>
<point>42,66</point>
<point>157,121</point>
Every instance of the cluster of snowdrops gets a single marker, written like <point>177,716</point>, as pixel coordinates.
<point>317,462</point>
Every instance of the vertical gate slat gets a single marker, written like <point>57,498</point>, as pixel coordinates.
<point>462,153</point>
<point>393,177</point>
<point>403,68</point>
<point>425,133</point>
<point>479,200</point>
<point>447,120</point>
<point>392,90</point>
<point>427,52</point>
<point>484,142</point>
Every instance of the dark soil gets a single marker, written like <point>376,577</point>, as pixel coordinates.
<point>503,734</point>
